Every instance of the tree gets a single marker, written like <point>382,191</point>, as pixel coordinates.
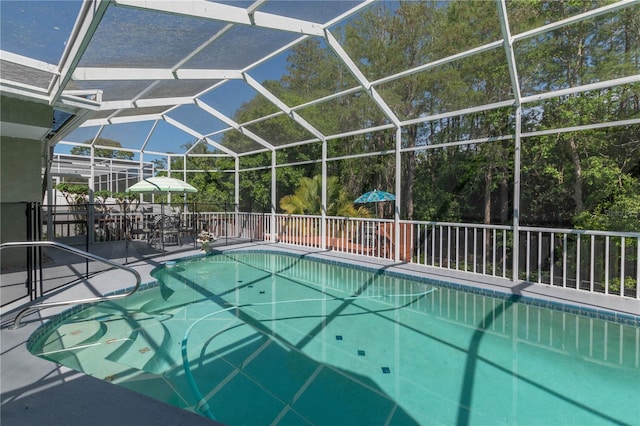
<point>103,152</point>
<point>77,197</point>
<point>307,199</point>
<point>215,187</point>
<point>585,52</point>
<point>384,41</point>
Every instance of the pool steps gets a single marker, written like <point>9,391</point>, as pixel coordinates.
<point>120,341</point>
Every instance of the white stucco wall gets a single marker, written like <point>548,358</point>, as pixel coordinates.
<point>20,169</point>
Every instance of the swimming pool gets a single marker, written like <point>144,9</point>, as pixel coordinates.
<point>254,337</point>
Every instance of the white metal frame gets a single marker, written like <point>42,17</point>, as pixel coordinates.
<point>91,15</point>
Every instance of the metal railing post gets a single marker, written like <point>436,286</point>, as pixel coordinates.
<point>86,255</point>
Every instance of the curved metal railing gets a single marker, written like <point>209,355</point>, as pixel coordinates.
<point>87,255</point>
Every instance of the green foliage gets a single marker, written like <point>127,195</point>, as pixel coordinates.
<point>103,152</point>
<point>307,199</point>
<point>584,179</point>
<point>74,193</point>
<point>127,202</point>
<point>629,284</point>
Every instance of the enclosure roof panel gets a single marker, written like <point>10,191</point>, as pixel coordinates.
<point>249,76</point>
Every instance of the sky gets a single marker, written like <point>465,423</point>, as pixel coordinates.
<point>37,29</point>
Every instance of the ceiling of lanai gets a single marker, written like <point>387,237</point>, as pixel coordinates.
<point>159,76</point>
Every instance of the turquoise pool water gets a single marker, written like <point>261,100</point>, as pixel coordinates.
<point>268,338</point>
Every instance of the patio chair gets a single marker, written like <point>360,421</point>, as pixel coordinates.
<point>165,230</point>
<point>136,229</point>
<point>188,227</point>
<point>369,235</point>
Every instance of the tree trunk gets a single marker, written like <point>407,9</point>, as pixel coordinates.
<point>488,176</point>
<point>578,184</point>
<point>504,200</point>
<point>410,172</point>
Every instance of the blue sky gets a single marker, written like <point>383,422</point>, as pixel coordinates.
<point>37,29</point>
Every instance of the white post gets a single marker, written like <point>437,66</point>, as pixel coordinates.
<point>141,173</point>
<point>169,174</point>
<point>515,84</point>
<point>516,193</point>
<point>236,194</point>
<point>90,209</point>
<point>50,199</point>
<point>323,210</point>
<point>396,216</point>
<point>274,231</point>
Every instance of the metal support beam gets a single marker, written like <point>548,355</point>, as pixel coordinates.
<point>274,231</point>
<point>286,109</point>
<point>323,210</point>
<point>516,193</point>
<point>398,201</point>
<point>236,181</point>
<point>515,85</point>
<point>199,136</point>
<point>222,117</point>
<point>366,84</point>
<point>88,20</point>
<point>226,13</point>
<point>92,188</point>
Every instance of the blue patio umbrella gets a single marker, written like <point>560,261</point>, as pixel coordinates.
<point>375,196</point>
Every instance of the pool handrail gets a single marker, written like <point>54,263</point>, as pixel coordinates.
<point>82,253</point>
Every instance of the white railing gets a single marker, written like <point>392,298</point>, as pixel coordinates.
<point>594,261</point>
<point>367,237</point>
<point>252,226</point>
<point>221,224</point>
<point>476,248</point>
<point>299,230</point>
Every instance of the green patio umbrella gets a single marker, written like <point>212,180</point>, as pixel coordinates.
<point>161,184</point>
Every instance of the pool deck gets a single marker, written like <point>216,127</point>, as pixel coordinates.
<point>34,391</point>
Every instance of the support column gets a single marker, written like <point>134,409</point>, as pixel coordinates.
<point>515,84</point>
<point>184,178</point>
<point>141,173</point>
<point>396,215</point>
<point>516,193</point>
<point>274,231</point>
<point>50,199</point>
<point>90,209</point>
<point>169,175</point>
<point>323,212</point>
<point>236,192</point>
